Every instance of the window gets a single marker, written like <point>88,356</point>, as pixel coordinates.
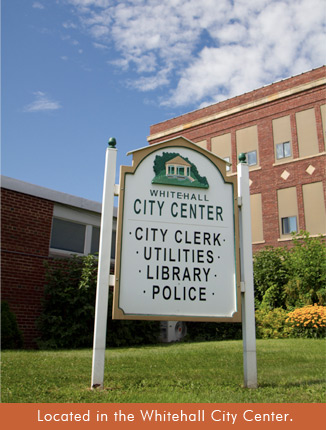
<point>171,170</point>
<point>181,171</point>
<point>74,231</point>
<point>282,137</point>
<point>289,225</point>
<point>251,158</point>
<point>283,150</point>
<point>288,211</point>
<point>68,236</point>
<point>95,242</point>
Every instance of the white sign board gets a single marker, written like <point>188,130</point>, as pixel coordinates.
<point>177,237</point>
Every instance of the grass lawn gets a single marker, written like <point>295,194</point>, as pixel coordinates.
<point>289,370</point>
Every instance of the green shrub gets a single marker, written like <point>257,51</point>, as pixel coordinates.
<point>68,310</point>
<point>11,336</point>
<point>270,277</point>
<point>207,331</point>
<point>272,324</point>
<point>67,320</point>
<point>291,278</point>
<point>307,271</point>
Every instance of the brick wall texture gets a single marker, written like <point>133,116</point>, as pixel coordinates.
<point>26,230</point>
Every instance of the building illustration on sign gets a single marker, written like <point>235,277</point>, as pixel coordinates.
<point>173,169</point>
<point>178,168</point>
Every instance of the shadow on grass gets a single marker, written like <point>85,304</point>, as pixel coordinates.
<point>293,384</point>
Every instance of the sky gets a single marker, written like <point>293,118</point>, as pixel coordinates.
<point>77,72</point>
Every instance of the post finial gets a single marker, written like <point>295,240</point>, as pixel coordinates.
<point>242,157</point>
<point>112,142</point>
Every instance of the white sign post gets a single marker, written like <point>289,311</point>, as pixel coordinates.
<point>102,290</point>
<point>247,284</point>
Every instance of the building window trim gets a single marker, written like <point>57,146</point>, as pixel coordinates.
<point>251,154</point>
<point>87,239</point>
<point>70,215</point>
<point>283,150</point>
<point>259,242</point>
<point>287,224</point>
<point>299,159</point>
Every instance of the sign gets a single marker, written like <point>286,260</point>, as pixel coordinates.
<point>177,236</point>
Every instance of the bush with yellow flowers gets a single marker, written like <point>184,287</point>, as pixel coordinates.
<point>309,321</point>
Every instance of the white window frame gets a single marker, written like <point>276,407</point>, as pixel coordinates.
<point>283,152</point>
<point>291,231</point>
<point>78,216</point>
<point>247,156</point>
<point>171,170</point>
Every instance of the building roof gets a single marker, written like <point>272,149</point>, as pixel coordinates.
<point>178,160</point>
<point>52,195</point>
<point>269,93</point>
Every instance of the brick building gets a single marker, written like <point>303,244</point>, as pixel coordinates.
<point>282,129</point>
<point>39,224</point>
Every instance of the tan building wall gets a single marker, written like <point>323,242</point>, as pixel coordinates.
<point>307,133</point>
<point>314,208</point>
<point>257,231</point>
<point>247,142</point>
<point>323,116</point>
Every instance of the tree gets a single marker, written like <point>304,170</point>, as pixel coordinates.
<point>307,271</point>
<point>291,278</point>
<point>270,277</point>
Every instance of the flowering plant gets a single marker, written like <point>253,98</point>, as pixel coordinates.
<point>309,321</point>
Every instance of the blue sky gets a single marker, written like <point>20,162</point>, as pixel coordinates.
<point>75,72</point>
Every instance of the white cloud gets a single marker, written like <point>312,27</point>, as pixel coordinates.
<point>100,46</point>
<point>98,31</point>
<point>68,25</point>
<point>37,5</point>
<point>208,50</point>
<point>97,3</point>
<point>150,83</point>
<point>42,103</point>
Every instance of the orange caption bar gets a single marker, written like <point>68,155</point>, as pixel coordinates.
<point>160,415</point>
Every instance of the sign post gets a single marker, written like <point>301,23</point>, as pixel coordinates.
<point>247,285</point>
<point>102,289</point>
<point>178,244</point>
